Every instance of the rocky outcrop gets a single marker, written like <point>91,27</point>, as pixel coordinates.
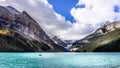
<point>99,34</point>
<point>26,26</point>
<point>12,10</point>
<point>18,43</point>
<point>59,41</point>
<point>5,14</point>
<point>108,28</point>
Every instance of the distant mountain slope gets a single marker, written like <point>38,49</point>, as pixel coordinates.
<point>64,43</point>
<point>104,39</point>
<point>13,22</point>
<point>59,41</point>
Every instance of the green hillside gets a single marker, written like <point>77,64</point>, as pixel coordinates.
<point>106,43</point>
<point>17,43</point>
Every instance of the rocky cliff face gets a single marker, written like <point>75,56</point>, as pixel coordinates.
<point>105,34</point>
<point>59,41</point>
<point>5,14</point>
<point>24,25</point>
<point>108,28</point>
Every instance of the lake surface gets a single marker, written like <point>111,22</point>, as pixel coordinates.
<point>59,60</point>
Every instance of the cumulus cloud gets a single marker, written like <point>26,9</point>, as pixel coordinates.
<point>87,18</point>
<point>94,13</point>
<point>2,0</point>
<point>43,13</point>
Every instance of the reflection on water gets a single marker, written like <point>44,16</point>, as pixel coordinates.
<point>59,60</point>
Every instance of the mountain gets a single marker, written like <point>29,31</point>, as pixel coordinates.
<point>20,32</point>
<point>104,39</point>
<point>64,43</point>
<point>69,43</point>
<point>59,41</point>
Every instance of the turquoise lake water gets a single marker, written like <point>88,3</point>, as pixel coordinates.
<point>59,60</point>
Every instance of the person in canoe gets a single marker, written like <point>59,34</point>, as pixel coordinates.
<point>40,55</point>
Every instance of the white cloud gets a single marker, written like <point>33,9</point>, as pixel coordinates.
<point>43,13</point>
<point>87,19</point>
<point>94,13</point>
<point>2,0</point>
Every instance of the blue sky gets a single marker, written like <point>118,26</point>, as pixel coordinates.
<point>117,8</point>
<point>87,15</point>
<point>63,7</point>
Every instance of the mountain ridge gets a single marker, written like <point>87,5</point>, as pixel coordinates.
<point>25,26</point>
<point>98,38</point>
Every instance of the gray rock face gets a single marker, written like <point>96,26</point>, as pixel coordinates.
<point>108,28</point>
<point>31,24</point>
<point>82,43</point>
<point>12,10</point>
<point>27,26</point>
<point>59,41</point>
<point>5,14</point>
